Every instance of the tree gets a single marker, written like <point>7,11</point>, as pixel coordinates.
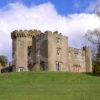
<point>97,61</point>
<point>94,38</point>
<point>3,60</point>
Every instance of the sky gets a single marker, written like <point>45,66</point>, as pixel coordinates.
<point>63,7</point>
<point>72,18</point>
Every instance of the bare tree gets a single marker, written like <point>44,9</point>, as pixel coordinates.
<point>94,38</point>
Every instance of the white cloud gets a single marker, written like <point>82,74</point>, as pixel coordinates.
<point>43,17</point>
<point>94,6</point>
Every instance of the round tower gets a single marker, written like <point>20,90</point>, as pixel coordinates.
<point>88,59</point>
<point>21,40</point>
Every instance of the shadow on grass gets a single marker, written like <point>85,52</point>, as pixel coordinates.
<point>93,74</point>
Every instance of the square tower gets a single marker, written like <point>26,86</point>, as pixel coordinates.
<point>57,52</point>
<point>50,51</point>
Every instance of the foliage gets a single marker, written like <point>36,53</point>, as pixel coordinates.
<point>96,66</point>
<point>96,62</point>
<point>3,60</point>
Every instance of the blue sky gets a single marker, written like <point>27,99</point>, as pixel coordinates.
<point>72,18</point>
<point>63,7</point>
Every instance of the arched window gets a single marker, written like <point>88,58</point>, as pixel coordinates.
<point>76,67</point>
<point>59,66</point>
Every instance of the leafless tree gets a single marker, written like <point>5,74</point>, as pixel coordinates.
<point>94,38</point>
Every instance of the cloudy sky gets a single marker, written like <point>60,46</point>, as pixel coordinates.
<point>71,17</point>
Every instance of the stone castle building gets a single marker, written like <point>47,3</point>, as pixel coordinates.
<point>34,50</point>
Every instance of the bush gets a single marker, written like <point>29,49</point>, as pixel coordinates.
<point>3,60</point>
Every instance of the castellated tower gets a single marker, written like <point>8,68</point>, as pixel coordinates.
<point>57,51</point>
<point>21,44</point>
<point>48,51</point>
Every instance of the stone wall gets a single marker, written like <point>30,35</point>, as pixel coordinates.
<point>80,60</point>
<point>21,42</point>
<point>88,59</point>
<point>34,50</point>
<point>40,52</point>
<point>57,51</point>
<point>76,60</point>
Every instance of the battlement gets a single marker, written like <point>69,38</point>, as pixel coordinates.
<point>37,48</point>
<point>31,33</point>
<point>53,33</point>
<point>56,34</point>
<point>76,51</point>
<point>25,33</point>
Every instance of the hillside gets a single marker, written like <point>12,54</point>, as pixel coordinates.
<point>49,86</point>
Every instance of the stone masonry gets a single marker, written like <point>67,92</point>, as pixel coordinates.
<point>48,51</point>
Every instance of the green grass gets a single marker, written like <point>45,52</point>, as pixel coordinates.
<point>49,86</point>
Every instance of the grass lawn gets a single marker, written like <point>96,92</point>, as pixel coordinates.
<point>49,86</point>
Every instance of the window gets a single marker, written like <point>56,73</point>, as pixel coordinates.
<point>20,69</point>
<point>29,50</point>
<point>58,51</point>
<point>43,65</point>
<point>59,66</point>
<point>76,68</point>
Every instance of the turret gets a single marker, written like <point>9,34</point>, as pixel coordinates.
<point>21,41</point>
<point>88,59</point>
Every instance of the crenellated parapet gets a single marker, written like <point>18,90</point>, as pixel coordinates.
<point>32,33</point>
<point>48,32</point>
<point>53,33</point>
<point>25,33</point>
<point>19,33</point>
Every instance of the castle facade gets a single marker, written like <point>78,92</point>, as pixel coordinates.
<point>48,51</point>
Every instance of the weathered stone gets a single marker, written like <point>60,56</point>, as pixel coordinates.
<point>34,50</point>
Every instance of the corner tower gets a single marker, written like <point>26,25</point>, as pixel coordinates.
<point>21,41</point>
<point>88,59</point>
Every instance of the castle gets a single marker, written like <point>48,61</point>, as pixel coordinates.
<point>48,51</point>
